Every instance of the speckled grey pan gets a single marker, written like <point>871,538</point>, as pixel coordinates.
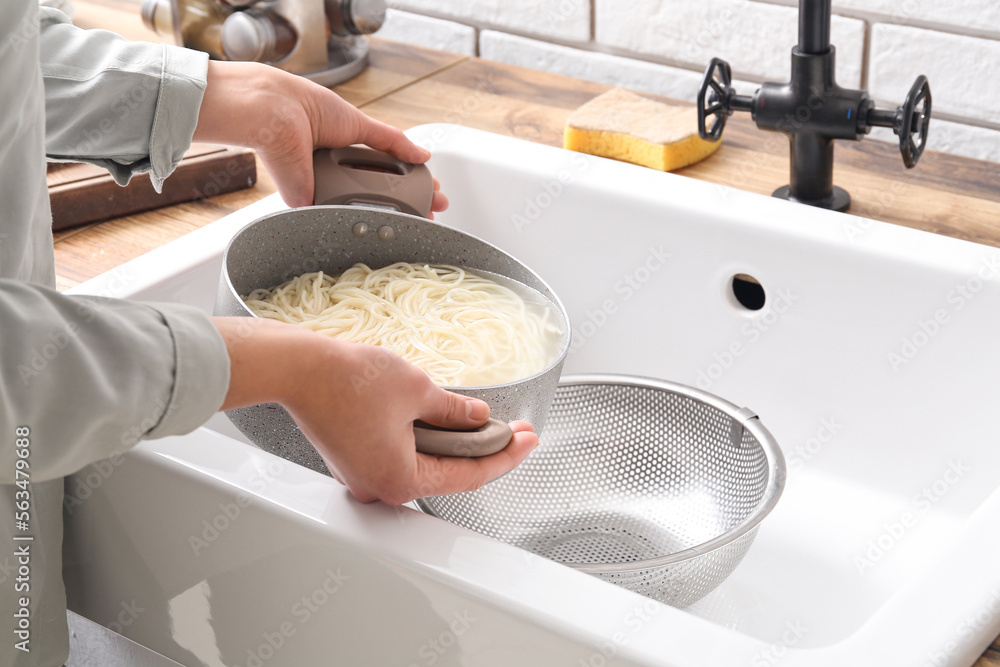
<point>281,246</point>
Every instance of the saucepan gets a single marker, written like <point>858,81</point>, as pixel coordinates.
<point>654,486</point>
<point>370,208</point>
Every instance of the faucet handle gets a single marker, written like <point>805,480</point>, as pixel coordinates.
<point>910,121</point>
<point>718,77</point>
<point>913,121</point>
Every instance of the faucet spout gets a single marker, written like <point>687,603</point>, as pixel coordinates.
<point>814,26</point>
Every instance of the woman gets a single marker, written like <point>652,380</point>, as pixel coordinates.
<point>111,366</point>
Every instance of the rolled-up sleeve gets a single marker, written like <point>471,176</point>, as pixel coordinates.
<point>90,376</point>
<point>130,107</point>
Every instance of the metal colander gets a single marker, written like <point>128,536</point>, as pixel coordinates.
<point>655,486</point>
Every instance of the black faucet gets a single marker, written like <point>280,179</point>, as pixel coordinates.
<point>813,111</point>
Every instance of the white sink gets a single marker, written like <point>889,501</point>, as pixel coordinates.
<point>874,364</point>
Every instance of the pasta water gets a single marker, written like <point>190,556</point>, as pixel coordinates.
<point>463,329</point>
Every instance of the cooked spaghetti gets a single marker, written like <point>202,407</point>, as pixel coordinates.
<point>462,329</point>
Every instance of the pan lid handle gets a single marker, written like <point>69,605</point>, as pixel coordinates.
<point>357,175</point>
<point>488,439</point>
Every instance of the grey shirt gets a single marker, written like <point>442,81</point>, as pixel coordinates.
<point>83,377</point>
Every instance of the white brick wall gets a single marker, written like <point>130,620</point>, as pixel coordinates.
<point>950,137</point>
<point>755,38</point>
<point>601,67</point>
<point>962,70</point>
<point>663,46</point>
<point>559,19</point>
<point>979,17</point>
<point>431,32</point>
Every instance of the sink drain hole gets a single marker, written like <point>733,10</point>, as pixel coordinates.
<point>748,291</point>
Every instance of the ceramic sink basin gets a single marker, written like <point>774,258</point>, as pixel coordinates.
<point>873,362</point>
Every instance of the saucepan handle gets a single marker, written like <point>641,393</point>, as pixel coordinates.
<point>488,439</point>
<point>363,176</point>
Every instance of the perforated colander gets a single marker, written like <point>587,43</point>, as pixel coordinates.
<point>655,486</point>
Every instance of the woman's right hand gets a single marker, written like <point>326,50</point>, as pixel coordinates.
<point>357,403</point>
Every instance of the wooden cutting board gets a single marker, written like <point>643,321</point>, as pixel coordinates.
<point>82,193</point>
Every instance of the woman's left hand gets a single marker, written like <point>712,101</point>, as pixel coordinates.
<point>284,118</point>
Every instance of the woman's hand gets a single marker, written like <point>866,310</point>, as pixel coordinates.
<point>356,404</point>
<point>284,118</point>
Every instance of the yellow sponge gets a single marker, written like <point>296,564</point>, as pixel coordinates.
<point>621,125</point>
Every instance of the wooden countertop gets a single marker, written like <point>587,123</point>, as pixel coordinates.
<point>408,85</point>
<point>87,251</point>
